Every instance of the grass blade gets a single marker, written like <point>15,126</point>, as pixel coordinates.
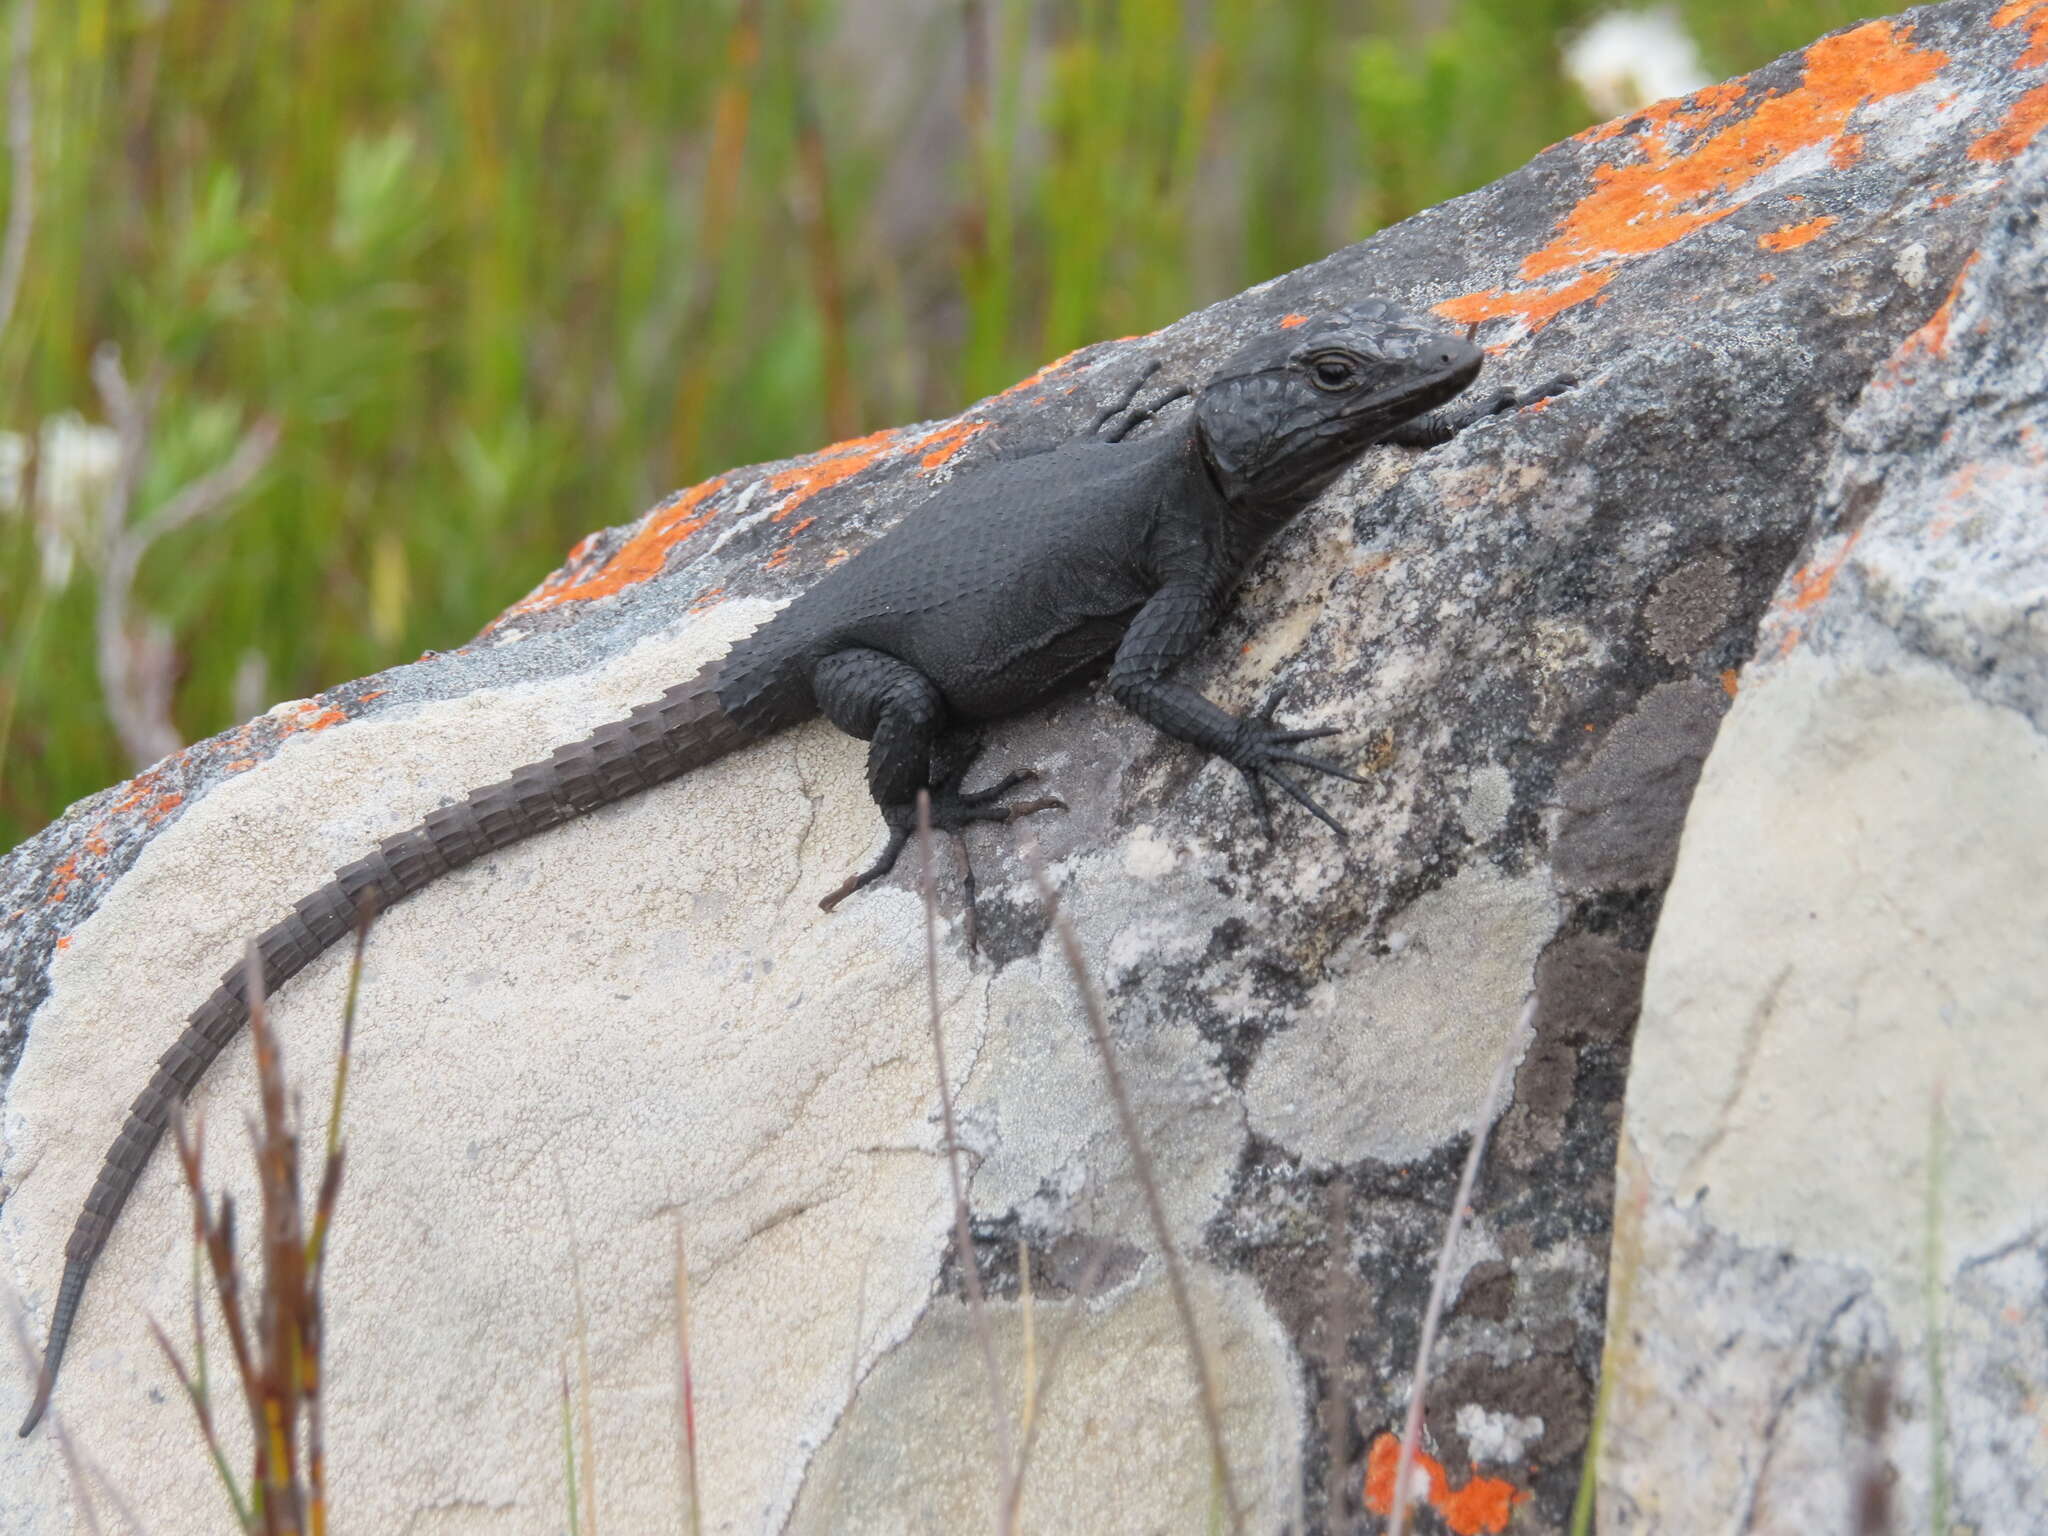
<point>1482,1123</point>
<point>963,1237</point>
<point>1209,1399</point>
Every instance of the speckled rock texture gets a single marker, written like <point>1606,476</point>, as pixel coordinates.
<point>1830,1280</point>
<point>1530,639</point>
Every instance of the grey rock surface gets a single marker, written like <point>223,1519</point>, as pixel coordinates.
<point>1528,637</point>
<point>1831,1262</point>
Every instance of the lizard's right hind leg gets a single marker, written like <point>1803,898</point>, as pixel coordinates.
<point>897,710</point>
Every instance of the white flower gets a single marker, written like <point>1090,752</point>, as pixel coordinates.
<point>1628,59</point>
<point>76,463</point>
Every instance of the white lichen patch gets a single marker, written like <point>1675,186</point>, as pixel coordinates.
<point>1493,1437</point>
<point>1055,1153</point>
<point>1147,855</point>
<point>1489,796</point>
<point>1120,1442</point>
<point>1386,1060</point>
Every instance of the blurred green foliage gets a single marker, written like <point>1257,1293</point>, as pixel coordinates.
<point>506,273</point>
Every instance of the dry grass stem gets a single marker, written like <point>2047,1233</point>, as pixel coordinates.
<point>686,1394</point>
<point>1210,1401</point>
<point>1038,1384</point>
<point>963,1236</point>
<point>21,147</point>
<point>1482,1123</point>
<point>1336,1323</point>
<point>569,1453</point>
<point>136,664</point>
<point>1027,1307</point>
<point>715,220</point>
<point>585,1419</point>
<point>277,1336</point>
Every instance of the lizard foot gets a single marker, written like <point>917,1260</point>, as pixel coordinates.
<point>1261,749</point>
<point>1515,400</point>
<point>953,810</point>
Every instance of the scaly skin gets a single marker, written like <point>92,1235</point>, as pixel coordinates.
<point>1005,588</point>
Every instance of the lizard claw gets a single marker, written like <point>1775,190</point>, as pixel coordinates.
<point>953,810</point>
<point>1260,751</point>
<point>1515,400</point>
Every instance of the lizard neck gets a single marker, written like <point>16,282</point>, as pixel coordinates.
<point>1246,516</point>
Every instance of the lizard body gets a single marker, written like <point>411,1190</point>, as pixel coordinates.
<point>1006,587</point>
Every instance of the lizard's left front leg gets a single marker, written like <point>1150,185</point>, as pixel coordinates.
<point>1166,630</point>
<point>1439,427</point>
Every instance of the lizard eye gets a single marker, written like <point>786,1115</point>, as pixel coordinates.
<point>1334,371</point>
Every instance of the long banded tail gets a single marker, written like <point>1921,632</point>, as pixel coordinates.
<point>685,728</point>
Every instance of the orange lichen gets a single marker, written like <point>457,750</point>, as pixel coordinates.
<point>1031,379</point>
<point>1289,322</point>
<point>1792,236</point>
<point>1687,112</point>
<point>64,942</point>
<point>1731,684</point>
<point>2029,115</point>
<point>1636,209</point>
<point>831,466</point>
<point>1480,1508</point>
<point>948,441</point>
<point>1682,176</point>
<point>1932,337</point>
<point>1534,307</point>
<point>781,556</point>
<point>140,788</point>
<point>2035,14</point>
<point>62,878</point>
<point>1812,583</point>
<point>640,557</point>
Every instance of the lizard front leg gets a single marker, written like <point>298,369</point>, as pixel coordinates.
<point>1439,427</point>
<point>898,711</point>
<point>1167,629</point>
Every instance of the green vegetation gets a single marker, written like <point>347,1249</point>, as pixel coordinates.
<point>503,274</point>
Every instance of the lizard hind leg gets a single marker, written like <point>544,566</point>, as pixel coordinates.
<point>897,710</point>
<point>1134,415</point>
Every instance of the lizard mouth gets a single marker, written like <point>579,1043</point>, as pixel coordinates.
<point>1358,421</point>
<point>1459,364</point>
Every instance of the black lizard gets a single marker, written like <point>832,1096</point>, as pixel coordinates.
<point>1009,585</point>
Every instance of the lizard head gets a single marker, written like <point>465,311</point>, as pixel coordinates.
<point>1283,416</point>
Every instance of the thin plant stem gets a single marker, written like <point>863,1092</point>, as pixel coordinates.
<point>1091,1276</point>
<point>963,1237</point>
<point>686,1394</point>
<point>1482,1122</point>
<point>1937,1398</point>
<point>569,1453</point>
<point>21,146</point>
<point>1209,1399</point>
